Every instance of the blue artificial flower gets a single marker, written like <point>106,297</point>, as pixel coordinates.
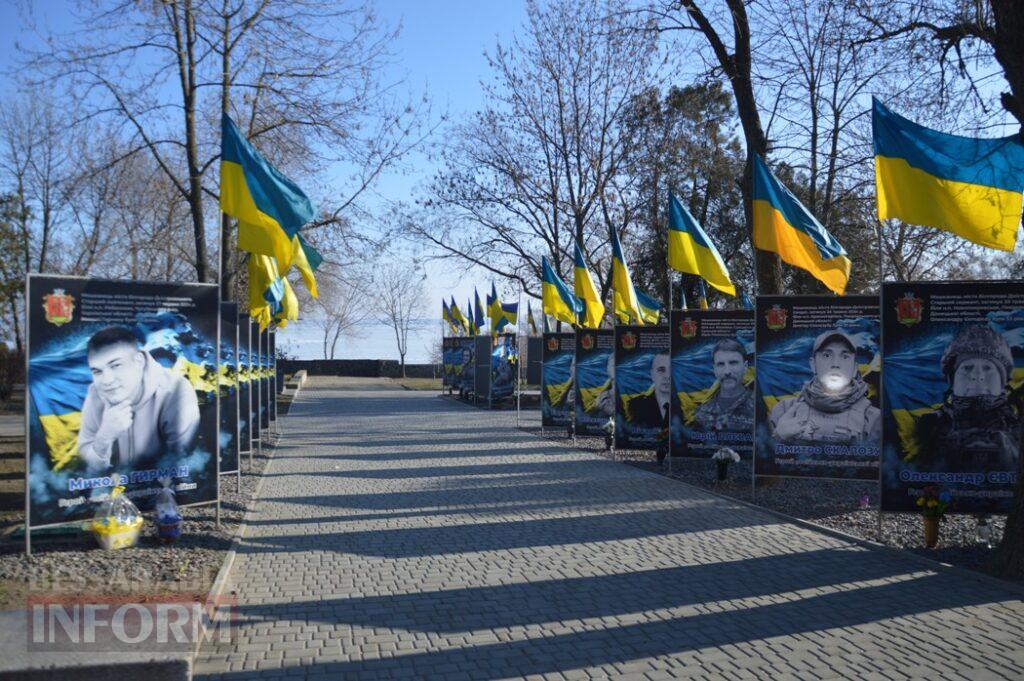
<point>945,496</point>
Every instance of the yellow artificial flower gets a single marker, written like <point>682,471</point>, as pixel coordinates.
<point>920,501</point>
<point>932,503</point>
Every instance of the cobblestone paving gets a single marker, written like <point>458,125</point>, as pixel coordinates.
<point>402,535</point>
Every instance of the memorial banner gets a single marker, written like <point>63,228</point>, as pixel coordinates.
<point>534,359</point>
<point>712,382</point>
<point>265,379</point>
<point>464,368</point>
<point>274,388</point>
<point>228,383</point>
<point>121,392</point>
<point>481,369</point>
<point>816,412</point>
<point>244,386</point>
<point>643,386</point>
<point>449,357</point>
<point>595,380</point>
<point>556,393</point>
<point>504,367</point>
<point>953,393</point>
<point>254,380</point>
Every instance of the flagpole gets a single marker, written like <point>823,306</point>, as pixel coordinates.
<point>519,354</point>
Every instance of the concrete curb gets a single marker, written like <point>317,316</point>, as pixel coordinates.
<point>931,563</point>
<point>221,581</point>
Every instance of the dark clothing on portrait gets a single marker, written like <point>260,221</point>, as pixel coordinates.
<point>645,412</point>
<point>971,434</point>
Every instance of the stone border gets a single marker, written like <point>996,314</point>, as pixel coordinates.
<point>221,581</point>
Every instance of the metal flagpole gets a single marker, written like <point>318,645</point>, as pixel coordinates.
<point>881,280</point>
<point>519,353</point>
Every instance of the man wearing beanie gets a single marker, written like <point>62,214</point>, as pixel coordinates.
<point>976,428</point>
<point>833,407</point>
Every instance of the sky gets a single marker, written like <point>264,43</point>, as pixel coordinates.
<point>440,51</point>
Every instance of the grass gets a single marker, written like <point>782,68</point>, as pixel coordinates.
<point>419,383</point>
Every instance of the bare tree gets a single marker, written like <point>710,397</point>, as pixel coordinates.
<point>400,301</point>
<point>340,309</point>
<point>542,164</point>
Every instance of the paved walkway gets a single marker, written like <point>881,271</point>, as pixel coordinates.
<point>402,535</point>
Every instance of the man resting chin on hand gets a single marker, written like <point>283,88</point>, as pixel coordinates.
<point>136,410</point>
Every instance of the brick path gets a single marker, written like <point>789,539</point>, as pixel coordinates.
<point>401,535</point>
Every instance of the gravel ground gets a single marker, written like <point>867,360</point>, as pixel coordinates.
<point>832,503</point>
<point>75,563</point>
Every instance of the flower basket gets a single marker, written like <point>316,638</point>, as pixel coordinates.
<point>722,458</point>
<point>933,504</point>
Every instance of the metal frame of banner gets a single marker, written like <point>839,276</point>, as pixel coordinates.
<point>28,487</point>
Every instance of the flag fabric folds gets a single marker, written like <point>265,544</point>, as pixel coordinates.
<point>478,312</point>
<point>530,322</point>
<point>289,311</point>
<point>649,307</point>
<point>306,259</point>
<point>556,298</point>
<point>626,305</point>
<point>691,251</point>
<point>745,299</point>
<point>266,289</point>
<point>269,207</point>
<point>783,225</point>
<point>471,328</point>
<point>501,314</point>
<point>585,290</point>
<point>968,186</point>
<point>702,295</point>
<point>462,324</point>
<point>446,314</point>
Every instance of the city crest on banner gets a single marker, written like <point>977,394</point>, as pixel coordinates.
<point>909,309</point>
<point>59,307</point>
<point>776,318</point>
<point>688,328</point>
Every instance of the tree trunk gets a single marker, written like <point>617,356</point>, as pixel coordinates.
<point>402,358</point>
<point>227,253</point>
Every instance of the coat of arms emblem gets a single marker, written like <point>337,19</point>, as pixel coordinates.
<point>628,340</point>
<point>776,318</point>
<point>59,307</point>
<point>587,341</point>
<point>909,309</point>
<point>688,327</point>
<point>552,343</point>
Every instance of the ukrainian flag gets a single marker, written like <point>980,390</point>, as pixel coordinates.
<point>782,225</point>
<point>306,259</point>
<point>445,316</point>
<point>269,207</point>
<point>649,307</point>
<point>494,311</point>
<point>478,312</point>
<point>289,311</point>
<point>583,286</point>
<point>690,250</point>
<point>266,289</point>
<point>460,319</point>
<point>702,295</point>
<point>626,304</point>
<point>529,319</point>
<point>970,187</point>
<point>58,383</point>
<point>556,298</point>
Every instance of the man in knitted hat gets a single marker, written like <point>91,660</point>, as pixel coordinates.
<point>833,407</point>
<point>976,428</point>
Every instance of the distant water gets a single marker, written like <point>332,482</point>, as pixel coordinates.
<point>304,340</point>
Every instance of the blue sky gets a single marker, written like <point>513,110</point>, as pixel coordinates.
<point>440,51</point>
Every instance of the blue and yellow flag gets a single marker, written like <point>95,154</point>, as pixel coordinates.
<point>446,315</point>
<point>478,312</point>
<point>306,259</point>
<point>690,250</point>
<point>471,326</point>
<point>702,295</point>
<point>585,290</point>
<point>289,311</point>
<point>626,305</point>
<point>269,207</point>
<point>971,187</point>
<point>266,289</point>
<point>556,298</point>
<point>461,323</point>
<point>501,314</point>
<point>531,323</point>
<point>649,307</point>
<point>745,299</point>
<point>782,225</point>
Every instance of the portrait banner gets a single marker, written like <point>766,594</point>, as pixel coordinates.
<point>595,380</point>
<point>274,388</point>
<point>816,408</point>
<point>643,386</point>
<point>122,391</point>
<point>712,382</point>
<point>504,366</point>
<point>449,357</point>
<point>244,386</point>
<point>228,384</point>
<point>534,359</point>
<point>481,369</point>
<point>463,367</point>
<point>556,393</point>
<point>265,379</point>
<point>255,402</point>
<point>953,393</point>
